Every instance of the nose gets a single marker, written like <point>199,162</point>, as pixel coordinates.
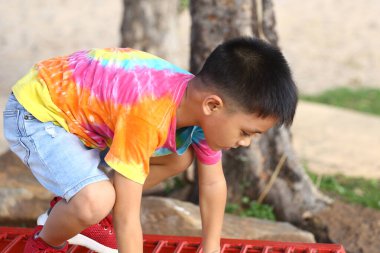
<point>245,142</point>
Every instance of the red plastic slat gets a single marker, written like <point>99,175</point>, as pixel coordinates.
<point>12,240</point>
<point>179,247</point>
<point>267,249</point>
<point>159,246</point>
<point>244,249</point>
<point>289,250</point>
<point>13,244</point>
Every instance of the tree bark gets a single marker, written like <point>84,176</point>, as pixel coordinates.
<point>150,26</point>
<point>215,21</point>
<point>269,22</point>
<point>248,170</point>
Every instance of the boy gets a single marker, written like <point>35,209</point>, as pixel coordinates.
<point>154,117</point>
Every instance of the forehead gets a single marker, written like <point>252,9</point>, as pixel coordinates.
<point>252,122</point>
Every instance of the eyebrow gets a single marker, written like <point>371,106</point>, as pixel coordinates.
<point>254,131</point>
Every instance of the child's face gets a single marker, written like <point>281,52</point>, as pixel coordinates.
<point>225,130</point>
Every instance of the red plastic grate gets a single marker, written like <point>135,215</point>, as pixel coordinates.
<point>12,240</point>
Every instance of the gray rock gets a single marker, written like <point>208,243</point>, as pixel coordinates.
<point>252,228</point>
<point>175,217</point>
<point>21,196</point>
<point>3,142</point>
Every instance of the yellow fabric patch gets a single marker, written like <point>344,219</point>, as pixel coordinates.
<point>134,171</point>
<point>109,54</point>
<point>33,94</point>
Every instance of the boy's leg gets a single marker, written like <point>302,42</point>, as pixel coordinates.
<point>167,166</point>
<point>63,165</point>
<point>87,207</point>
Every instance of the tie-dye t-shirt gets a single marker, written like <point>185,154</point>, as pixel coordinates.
<point>119,98</point>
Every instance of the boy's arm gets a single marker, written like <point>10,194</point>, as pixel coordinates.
<point>212,201</point>
<point>127,215</point>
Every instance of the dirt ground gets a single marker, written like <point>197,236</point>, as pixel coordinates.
<point>337,225</point>
<point>330,43</point>
<point>331,140</point>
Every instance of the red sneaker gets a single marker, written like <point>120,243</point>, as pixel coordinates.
<point>100,237</point>
<point>36,245</point>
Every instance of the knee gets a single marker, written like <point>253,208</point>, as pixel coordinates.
<point>94,203</point>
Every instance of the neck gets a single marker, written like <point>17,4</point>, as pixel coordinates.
<point>186,114</point>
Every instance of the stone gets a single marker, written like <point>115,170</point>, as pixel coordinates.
<point>170,217</point>
<point>175,217</point>
<point>22,198</point>
<point>252,228</point>
<point>3,142</point>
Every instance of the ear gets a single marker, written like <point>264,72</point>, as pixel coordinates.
<point>212,104</point>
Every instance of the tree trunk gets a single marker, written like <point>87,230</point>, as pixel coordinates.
<point>269,22</point>
<point>151,26</point>
<point>248,170</point>
<point>215,21</point>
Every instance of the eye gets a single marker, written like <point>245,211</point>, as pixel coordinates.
<point>245,134</point>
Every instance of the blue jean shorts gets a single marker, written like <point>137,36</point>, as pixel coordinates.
<point>57,158</point>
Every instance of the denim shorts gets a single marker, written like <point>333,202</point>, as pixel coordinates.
<point>57,158</point>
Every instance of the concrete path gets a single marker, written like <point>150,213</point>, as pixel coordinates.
<point>331,140</point>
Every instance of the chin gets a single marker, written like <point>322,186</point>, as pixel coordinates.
<point>215,148</point>
<point>218,148</point>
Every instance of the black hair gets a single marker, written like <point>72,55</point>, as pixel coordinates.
<point>253,75</point>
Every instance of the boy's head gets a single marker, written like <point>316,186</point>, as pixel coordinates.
<point>251,76</point>
<point>247,89</point>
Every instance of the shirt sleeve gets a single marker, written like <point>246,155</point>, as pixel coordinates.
<point>203,152</point>
<point>133,144</point>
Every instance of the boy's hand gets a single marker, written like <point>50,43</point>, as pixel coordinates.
<point>127,215</point>
<point>212,201</point>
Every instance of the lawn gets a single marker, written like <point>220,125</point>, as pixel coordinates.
<point>359,99</point>
<point>355,190</point>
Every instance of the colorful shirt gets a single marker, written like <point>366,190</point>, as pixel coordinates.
<point>119,98</point>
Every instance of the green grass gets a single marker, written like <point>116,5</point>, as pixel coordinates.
<point>183,5</point>
<point>365,192</point>
<point>250,208</point>
<point>174,184</point>
<point>354,190</point>
<point>360,99</point>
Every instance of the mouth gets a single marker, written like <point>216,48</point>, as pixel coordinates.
<point>229,148</point>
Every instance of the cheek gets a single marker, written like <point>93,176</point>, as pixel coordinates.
<point>221,136</point>
<point>210,134</point>
<point>213,136</point>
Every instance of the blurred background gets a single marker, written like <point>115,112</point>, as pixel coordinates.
<point>328,43</point>
<point>331,46</point>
